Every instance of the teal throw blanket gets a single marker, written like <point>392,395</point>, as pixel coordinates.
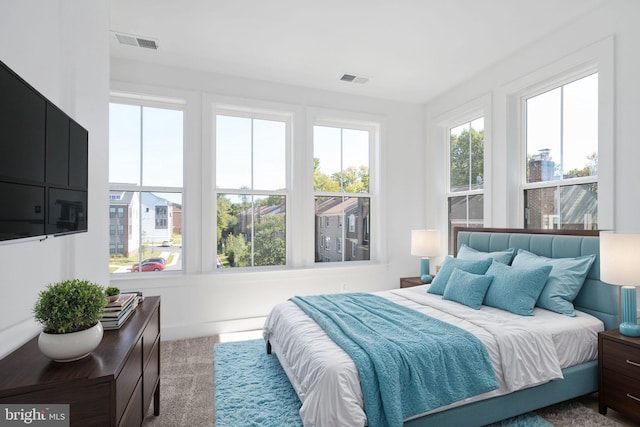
<point>408,362</point>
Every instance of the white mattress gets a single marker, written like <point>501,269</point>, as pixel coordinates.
<point>524,350</point>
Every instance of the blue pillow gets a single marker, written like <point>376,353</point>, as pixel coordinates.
<point>467,288</point>
<point>504,256</point>
<point>515,289</point>
<point>440,281</point>
<point>565,280</point>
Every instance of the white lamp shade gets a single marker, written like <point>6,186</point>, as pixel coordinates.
<point>619,258</point>
<point>425,242</point>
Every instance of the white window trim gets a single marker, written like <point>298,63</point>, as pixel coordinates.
<point>146,96</point>
<point>351,120</point>
<point>599,57</point>
<point>479,107</point>
<point>216,105</point>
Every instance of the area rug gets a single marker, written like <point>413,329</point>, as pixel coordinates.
<point>251,389</point>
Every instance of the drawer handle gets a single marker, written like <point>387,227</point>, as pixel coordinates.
<point>633,397</point>
<point>633,363</point>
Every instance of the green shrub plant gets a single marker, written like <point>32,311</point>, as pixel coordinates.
<point>112,291</point>
<point>69,306</point>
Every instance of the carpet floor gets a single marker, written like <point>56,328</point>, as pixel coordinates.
<point>187,392</point>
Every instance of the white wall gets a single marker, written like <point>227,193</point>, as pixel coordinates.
<point>61,48</point>
<point>610,35</point>
<point>196,304</point>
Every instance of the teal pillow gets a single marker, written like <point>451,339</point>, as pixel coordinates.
<point>440,281</point>
<point>467,288</point>
<point>515,289</point>
<point>504,256</point>
<point>565,280</point>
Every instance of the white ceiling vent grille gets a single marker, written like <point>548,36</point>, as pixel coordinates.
<point>352,78</point>
<point>131,40</point>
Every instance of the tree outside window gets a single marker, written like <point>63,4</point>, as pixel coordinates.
<point>341,184</point>
<point>251,190</point>
<point>466,176</point>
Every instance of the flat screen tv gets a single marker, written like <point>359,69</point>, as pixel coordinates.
<point>43,164</point>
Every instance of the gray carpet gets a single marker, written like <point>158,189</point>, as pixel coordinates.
<point>186,392</point>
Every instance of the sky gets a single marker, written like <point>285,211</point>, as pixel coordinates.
<point>577,104</point>
<point>245,145</point>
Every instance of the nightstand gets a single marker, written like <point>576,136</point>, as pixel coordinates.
<point>407,282</point>
<point>619,373</point>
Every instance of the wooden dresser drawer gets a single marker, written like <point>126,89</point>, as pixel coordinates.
<point>128,378</point>
<point>151,373</point>
<point>150,335</point>
<point>88,402</point>
<point>621,393</point>
<point>133,413</point>
<point>621,358</point>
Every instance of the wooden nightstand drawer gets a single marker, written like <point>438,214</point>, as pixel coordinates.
<point>621,358</point>
<point>621,393</point>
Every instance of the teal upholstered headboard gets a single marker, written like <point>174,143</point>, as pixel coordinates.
<point>596,297</point>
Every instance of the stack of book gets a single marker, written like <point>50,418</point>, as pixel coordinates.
<point>117,312</point>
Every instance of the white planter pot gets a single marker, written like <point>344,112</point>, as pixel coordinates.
<point>72,346</point>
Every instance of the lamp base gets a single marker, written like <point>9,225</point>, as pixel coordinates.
<point>629,325</point>
<point>630,329</point>
<point>425,277</point>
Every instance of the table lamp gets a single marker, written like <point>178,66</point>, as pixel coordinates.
<point>425,243</point>
<point>618,258</point>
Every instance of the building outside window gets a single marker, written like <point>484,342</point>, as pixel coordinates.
<point>466,176</point>
<point>561,138</point>
<point>341,176</point>
<point>145,182</point>
<point>251,188</point>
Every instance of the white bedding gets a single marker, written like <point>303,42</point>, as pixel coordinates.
<point>524,350</point>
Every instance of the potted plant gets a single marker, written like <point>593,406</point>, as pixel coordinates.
<point>69,312</point>
<point>112,293</point>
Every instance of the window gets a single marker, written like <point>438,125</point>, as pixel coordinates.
<point>145,180</point>
<point>341,184</point>
<point>251,188</point>
<point>561,138</point>
<point>162,215</point>
<point>466,176</point>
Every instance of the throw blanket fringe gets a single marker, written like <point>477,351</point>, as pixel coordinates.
<point>409,363</point>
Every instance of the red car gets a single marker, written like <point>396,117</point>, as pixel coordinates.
<point>148,266</point>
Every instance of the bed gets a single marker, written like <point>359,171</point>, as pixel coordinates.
<point>306,353</point>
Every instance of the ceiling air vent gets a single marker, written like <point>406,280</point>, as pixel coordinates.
<point>352,78</point>
<point>131,40</point>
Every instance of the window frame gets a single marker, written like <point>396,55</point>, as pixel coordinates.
<point>253,113</point>
<point>598,56</point>
<point>466,114</point>
<point>542,87</point>
<point>146,99</point>
<point>373,127</point>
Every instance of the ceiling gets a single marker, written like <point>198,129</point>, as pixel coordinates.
<point>411,50</point>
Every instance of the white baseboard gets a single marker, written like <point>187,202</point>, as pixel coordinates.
<point>177,332</point>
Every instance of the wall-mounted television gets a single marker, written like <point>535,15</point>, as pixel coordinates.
<point>43,164</point>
